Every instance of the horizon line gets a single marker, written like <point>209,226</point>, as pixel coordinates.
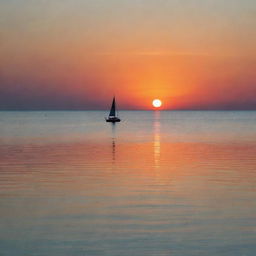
<point>37,110</point>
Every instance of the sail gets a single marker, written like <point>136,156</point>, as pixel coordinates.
<point>113,108</point>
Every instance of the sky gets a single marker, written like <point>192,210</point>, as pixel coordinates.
<point>77,54</point>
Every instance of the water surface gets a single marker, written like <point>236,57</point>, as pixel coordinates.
<point>158,183</point>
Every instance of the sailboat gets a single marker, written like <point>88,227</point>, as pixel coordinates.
<point>112,117</point>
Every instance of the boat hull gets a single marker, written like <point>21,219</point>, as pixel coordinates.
<point>113,120</point>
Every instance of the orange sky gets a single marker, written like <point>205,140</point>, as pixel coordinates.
<point>78,54</point>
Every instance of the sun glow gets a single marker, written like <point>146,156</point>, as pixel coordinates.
<point>157,103</point>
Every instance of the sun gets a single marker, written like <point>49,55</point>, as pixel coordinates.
<point>157,103</point>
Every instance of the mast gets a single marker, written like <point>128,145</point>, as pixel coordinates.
<point>113,108</point>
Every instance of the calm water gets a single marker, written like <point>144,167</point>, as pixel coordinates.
<point>158,183</point>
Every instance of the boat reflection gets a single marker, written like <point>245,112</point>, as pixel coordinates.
<point>113,126</point>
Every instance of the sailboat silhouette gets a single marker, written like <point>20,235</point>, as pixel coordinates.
<point>112,117</point>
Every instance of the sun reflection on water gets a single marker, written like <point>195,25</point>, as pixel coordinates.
<point>157,143</point>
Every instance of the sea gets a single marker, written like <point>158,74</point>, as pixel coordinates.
<point>159,183</point>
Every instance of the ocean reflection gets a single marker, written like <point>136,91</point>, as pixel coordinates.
<point>113,127</point>
<point>157,143</point>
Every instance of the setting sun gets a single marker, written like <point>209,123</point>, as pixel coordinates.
<point>157,103</point>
